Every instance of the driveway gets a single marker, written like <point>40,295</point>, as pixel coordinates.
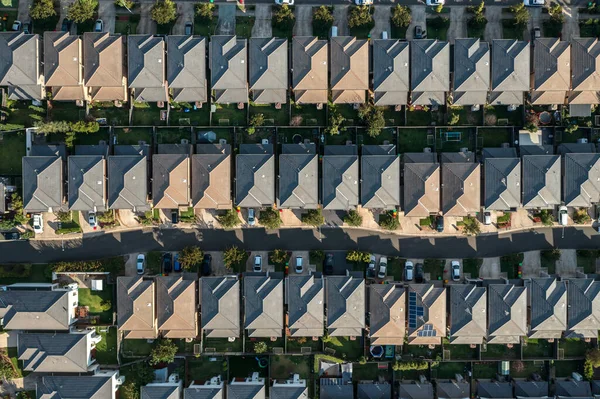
<point>146,25</point>
<point>458,24</point>
<point>303,26</point>
<point>217,265</point>
<point>490,268</point>
<point>571,24</point>
<point>185,11</point>
<point>340,19</point>
<point>226,23</point>
<point>106,12</point>
<point>23,14</point>
<point>448,271</point>
<point>566,266</point>
<point>131,265</point>
<point>532,264</point>
<point>381,16</point>
<point>535,21</point>
<point>265,261</point>
<point>418,19</point>
<point>262,25</point>
<point>493,28</point>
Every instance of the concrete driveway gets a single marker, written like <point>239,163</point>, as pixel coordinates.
<point>458,24</point>
<point>535,21</point>
<point>418,19</point>
<point>532,264</point>
<point>306,268</point>
<point>106,12</point>
<point>146,25</point>
<point>493,28</point>
<point>566,266</point>
<point>448,271</point>
<point>185,11</point>
<point>262,25</point>
<point>226,23</point>
<point>303,26</point>
<point>131,265</point>
<point>490,268</point>
<point>571,24</point>
<point>217,265</point>
<point>340,19</point>
<point>23,13</point>
<point>265,261</point>
<point>381,16</point>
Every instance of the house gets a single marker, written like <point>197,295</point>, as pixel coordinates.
<point>390,71</point>
<point>531,389</point>
<point>136,314</point>
<point>583,313</point>
<point>461,186</point>
<point>220,306</point>
<point>263,304</point>
<point>211,389</point>
<point>146,68</point>
<point>426,314</point>
<point>371,390</point>
<point>170,180</point>
<point>186,68</point>
<point>255,176</point>
<point>387,316</point>
<point>298,177</point>
<point>502,190</point>
<point>133,149</point>
<point>551,71</point>
<point>547,299</point>
<point>63,66</point>
<point>543,149</point>
<point>293,388</point>
<point>510,72</point>
<point>176,307</point>
<point>494,389</point>
<point>42,183</point>
<point>38,307</point>
<point>499,152</point>
<point>340,177</point>
<point>471,72</point>
<point>576,148</point>
<point>581,181</point>
<point>228,69</point>
<point>468,316</point>
<point>585,73</point>
<point>211,176</point>
<point>128,182</point>
<point>304,297</point>
<point>415,390</point>
<point>430,72</point>
<point>345,296</point>
<point>310,69</point>
<point>421,184</point>
<point>453,389</point>
<point>100,149</point>
<point>380,177</point>
<point>248,388</point>
<point>349,70</point>
<point>572,388</point>
<point>541,181</point>
<point>48,150</point>
<point>332,388</point>
<point>87,186</point>
<point>268,70</point>
<point>170,389</point>
<point>104,67</point>
<point>507,313</point>
<point>100,385</point>
<point>20,70</point>
<point>58,353</point>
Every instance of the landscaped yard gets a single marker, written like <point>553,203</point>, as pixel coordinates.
<point>414,140</point>
<point>493,137</point>
<point>25,273</point>
<point>132,135</point>
<point>229,115</point>
<point>453,139</point>
<point>393,117</point>
<point>308,115</point>
<point>421,117</point>
<point>126,24</point>
<point>370,372</point>
<point>386,134</point>
<point>244,366</point>
<point>71,226</point>
<point>519,369</point>
<point>448,370</point>
<point>396,268</point>
<point>243,26</point>
<point>147,114</point>
<point>115,116</point>
<point>437,28</point>
<point>421,352</point>
<point>65,111</point>
<point>188,115</point>
<point>203,27</point>
<point>203,368</point>
<point>348,134</point>
<point>102,134</point>
<point>485,370</point>
<point>22,113</point>
<point>106,350</point>
<point>99,302</point>
<point>222,345</point>
<point>565,368</point>
<point>435,268</point>
<point>537,349</point>
<point>282,367</point>
<point>587,260</point>
<point>499,115</point>
<point>345,348</point>
<point>574,347</point>
<point>472,266</point>
<point>294,345</point>
<point>461,352</point>
<point>204,136</point>
<point>12,150</point>
<point>509,264</point>
<point>173,135</point>
<point>272,116</point>
<point>501,352</point>
<point>132,348</point>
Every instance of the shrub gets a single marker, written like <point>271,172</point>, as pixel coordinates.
<point>551,255</point>
<point>405,366</point>
<point>581,216</point>
<point>373,118</point>
<point>269,218</point>
<point>401,16</point>
<point>360,16</point>
<point>556,13</point>
<point>520,14</point>
<point>439,8</point>
<point>229,219</point>
<point>389,221</point>
<point>335,121</point>
<point>233,256</point>
<point>284,18</point>
<point>164,12</point>
<point>323,16</point>
<point>82,10</point>
<point>42,9</point>
<point>316,256</point>
<point>471,226</point>
<point>260,347</point>
<point>128,4</point>
<point>257,120</point>
<point>114,265</point>
<point>190,256</point>
<point>353,218</point>
<point>362,360</point>
<point>313,217</point>
<point>163,352</point>
<point>205,11</point>
<point>279,257</point>
<point>358,256</point>
<point>571,128</point>
<point>454,118</point>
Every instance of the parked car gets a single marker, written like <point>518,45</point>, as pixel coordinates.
<point>439,223</point>
<point>455,270</point>
<point>207,265</point>
<point>176,263</point>
<point>363,2</point>
<point>251,218</point>
<point>167,263</point>
<point>99,26</point>
<point>257,263</point>
<point>534,3</point>
<point>409,271</point>
<point>420,33</point>
<point>419,275</point>
<point>27,28</point>
<point>563,215</point>
<point>487,218</point>
<point>286,2</point>
<point>66,25</point>
<point>299,268</point>
<point>141,264</point>
<point>93,222</point>
<point>38,223</point>
<point>16,26</point>
<point>371,267</point>
<point>328,264</point>
<point>382,267</point>
<point>537,33</point>
<point>174,216</point>
<point>189,28</point>
<point>11,236</point>
<point>434,2</point>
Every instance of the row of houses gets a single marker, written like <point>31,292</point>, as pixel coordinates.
<point>99,67</point>
<point>420,184</point>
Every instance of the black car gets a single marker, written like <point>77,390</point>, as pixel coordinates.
<point>174,216</point>
<point>27,28</point>
<point>66,25</point>
<point>439,223</point>
<point>206,265</point>
<point>167,263</point>
<point>328,264</point>
<point>419,273</point>
<point>11,236</point>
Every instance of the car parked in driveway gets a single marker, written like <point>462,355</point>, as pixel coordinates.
<point>176,263</point>
<point>189,28</point>
<point>11,236</point>
<point>207,265</point>
<point>409,271</point>
<point>92,221</point>
<point>328,264</point>
<point>66,25</point>
<point>99,26</point>
<point>371,266</point>
<point>455,270</point>
<point>298,266</point>
<point>534,3</point>
<point>16,26</point>
<point>141,264</point>
<point>285,2</point>
<point>419,273</point>
<point>439,224</point>
<point>563,216</point>
<point>435,2</point>
<point>251,218</point>
<point>174,216</point>
<point>487,218</point>
<point>167,263</point>
<point>38,223</point>
<point>420,33</point>
<point>27,28</point>
<point>257,264</point>
<point>382,267</point>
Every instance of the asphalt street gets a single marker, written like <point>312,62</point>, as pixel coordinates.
<point>106,244</point>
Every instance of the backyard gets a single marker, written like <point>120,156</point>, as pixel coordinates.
<point>244,366</point>
<point>454,139</point>
<point>272,116</point>
<point>485,370</point>
<point>414,140</point>
<point>565,368</point>
<point>387,134</point>
<point>448,370</point>
<point>499,115</point>
<point>106,350</point>
<point>493,137</point>
<point>460,352</point>
<point>370,372</point>
<point>345,348</point>
<point>115,116</point>
<point>136,348</point>
<point>573,347</point>
<point>519,369</point>
<point>219,345</point>
<point>173,135</point>
<point>501,352</point>
<point>148,114</point>
<point>282,367</point>
<point>189,115</point>
<point>12,149</point>
<point>537,348</point>
<point>65,111</point>
<point>203,368</point>
<point>99,303</point>
<point>308,115</point>
<point>133,135</point>
<point>296,345</point>
<point>229,115</point>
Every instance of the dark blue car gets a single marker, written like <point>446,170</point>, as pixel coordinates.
<point>167,263</point>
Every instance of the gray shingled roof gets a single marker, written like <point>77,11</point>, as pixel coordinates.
<point>263,305</point>
<point>228,69</point>
<point>498,152</point>
<point>48,150</point>
<point>305,298</point>
<point>92,149</point>
<point>387,316</point>
<point>572,389</point>
<point>245,391</point>
<point>552,71</point>
<point>186,68</point>
<point>340,177</point>
<point>390,71</point>
<point>583,315</point>
<point>81,387</point>
<point>211,177</point>
<point>178,148</point>
<point>336,391</point>
<point>430,71</point>
<point>373,391</point>
<point>255,176</point>
<point>468,316</point>
<point>502,183</point>
<point>461,189</point>
<point>510,71</point>
<point>87,185</point>
<point>268,78</point>
<point>208,392</point>
<point>54,353</point>
<point>585,81</point>
<point>416,390</point>
<point>453,390</point>
<point>507,313</point>
<point>345,305</point>
<point>160,391</point>
<point>548,303</point>
<point>288,392</point>
<point>494,389</point>
<point>545,149</point>
<point>35,310</point>
<point>380,177</point>
<point>531,389</point>
<point>310,69</point>
<point>421,184</point>
<point>127,182</point>
<point>579,148</point>
<point>471,71</point>
<point>220,305</point>
<point>134,149</point>
<point>146,67</point>
<point>348,69</point>
<point>298,176</point>
<point>20,65</point>
<point>42,183</point>
<point>541,181</point>
<point>581,183</point>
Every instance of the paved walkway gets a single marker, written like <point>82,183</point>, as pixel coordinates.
<point>493,28</point>
<point>262,24</point>
<point>106,12</point>
<point>458,24</point>
<point>340,19</point>
<point>418,19</point>
<point>185,11</point>
<point>226,23</point>
<point>382,17</point>
<point>303,26</point>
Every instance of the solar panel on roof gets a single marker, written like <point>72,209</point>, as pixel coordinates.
<point>420,311</point>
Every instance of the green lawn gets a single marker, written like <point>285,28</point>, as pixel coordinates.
<point>510,30</point>
<point>345,348</point>
<point>126,24</point>
<point>221,133</point>
<point>574,347</point>
<point>501,116</point>
<point>453,143</point>
<point>294,346</point>
<point>369,372</point>
<point>229,115</point>
<point>71,226</point>
<point>244,366</point>
<point>136,348</point>
<point>419,117</point>
<point>435,268</point>
<point>396,268</point>
<point>320,29</point>
<point>92,138</point>
<point>501,352</point>
<point>467,117</point>
<point>485,370</point>
<point>537,349</point>
<point>414,140</point>
<point>115,116</point>
<point>294,135</point>
<point>565,368</point>
<point>386,134</point>
<point>193,117</point>
<point>153,262</point>
<point>448,370</point>
<point>147,114</point>
<point>437,28</point>
<point>203,27</point>
<point>493,137</point>
<point>476,31</point>
<point>12,150</point>
<point>273,117</point>
<point>132,135</point>
<point>243,26</point>
<point>520,369</point>
<point>587,260</point>
<point>203,368</point>
<point>393,117</point>
<point>422,351</point>
<point>86,26</point>
<point>348,134</point>
<point>22,113</point>
<point>66,111</point>
<point>8,17</point>
<point>363,31</point>
<point>509,264</point>
<point>221,345</point>
<point>462,352</point>
<point>563,137</point>
<point>282,367</point>
<point>173,135</point>
<point>94,300</point>
<point>106,350</point>
<point>551,29</point>
<point>398,32</point>
<point>308,115</point>
<point>13,355</point>
<point>589,28</point>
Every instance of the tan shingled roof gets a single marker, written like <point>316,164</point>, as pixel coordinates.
<point>176,306</point>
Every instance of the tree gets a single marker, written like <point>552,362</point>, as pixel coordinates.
<point>105,305</point>
<point>335,121</point>
<point>53,127</point>
<point>439,8</point>
<point>269,218</point>
<point>362,360</point>
<point>454,118</point>
<point>556,13</point>
<point>373,118</point>
<point>546,217</point>
<point>593,356</point>
<point>358,256</point>
<point>42,9</point>
<point>478,9</point>
<point>571,128</point>
<point>190,256</point>
<point>360,16</point>
<point>164,12</point>
<point>313,217</point>
<point>127,4</point>
<point>518,366</point>
<point>581,216</point>
<point>471,226</point>
<point>205,11</point>
<point>257,120</point>
<point>401,16</point>
<point>323,15</point>
<point>521,14</point>
<point>82,10</point>
<point>389,221</point>
<point>85,127</point>
<point>7,370</point>
<point>279,257</point>
<point>229,219</point>
<point>163,352</point>
<point>405,366</point>
<point>284,17</point>
<point>130,390</point>
<point>233,256</point>
<point>551,255</point>
<point>260,347</point>
<point>531,127</point>
<point>353,218</point>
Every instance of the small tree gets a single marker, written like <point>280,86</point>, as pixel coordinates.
<point>471,226</point>
<point>360,16</point>
<point>127,4</point>
<point>571,128</point>
<point>581,216</point>
<point>7,370</point>
<point>389,221</point>
<point>521,14</point>
<point>373,118</point>
<point>362,360</point>
<point>279,257</point>
<point>323,15</point>
<point>229,219</point>
<point>353,219</point>
<point>190,256</point>
<point>546,217</point>
<point>130,390</point>
<point>454,118</point>
<point>205,11</point>
<point>260,347</point>
<point>257,120</point>
<point>42,9</point>
<point>335,122</point>
<point>82,10</point>
<point>313,217</point>
<point>401,16</point>
<point>518,366</point>
<point>164,12</point>
<point>531,127</point>
<point>284,17</point>
<point>556,13</point>
<point>269,218</point>
<point>163,352</point>
<point>105,305</point>
<point>593,356</point>
<point>358,256</point>
<point>439,8</point>
<point>233,256</point>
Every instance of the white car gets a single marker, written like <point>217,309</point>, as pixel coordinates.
<point>257,264</point>
<point>363,2</point>
<point>455,270</point>
<point>38,223</point>
<point>251,219</point>
<point>563,216</point>
<point>409,271</point>
<point>99,26</point>
<point>487,218</point>
<point>141,264</point>
<point>16,26</point>
<point>299,267</point>
<point>92,220</point>
<point>382,267</point>
<point>435,2</point>
<point>534,3</point>
<point>286,2</point>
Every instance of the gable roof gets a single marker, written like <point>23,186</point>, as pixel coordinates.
<point>583,314</point>
<point>104,66</point>
<point>390,71</point>
<point>245,391</point>
<point>471,71</point>
<point>552,71</point>
<point>305,299</point>
<point>380,177</point>
<point>62,61</point>
<point>585,69</point>
<point>531,389</point>
<point>35,310</point>
<point>453,390</point>
<point>510,71</point>
<point>502,183</point>
<point>461,188</point>
<point>426,315</point>
<point>349,69</point>
<point>581,179</point>
<point>186,68</point>
<point>335,391</point>
<point>345,305</point>
<point>415,390</point>
<point>220,304</point>
<point>579,148</point>
<point>64,353</point>
<point>340,177</point>
<point>507,313</point>
<point>548,304</point>
<point>543,149</point>
<point>211,180</point>
<point>498,152</point>
<point>20,64</point>
<point>160,391</point>
<point>298,176</point>
<point>146,61</point>
<point>494,389</point>
<point>176,307</point>
<point>310,69</point>
<point>387,319</point>
<point>204,392</point>
<point>571,388</point>
<point>81,387</point>
<point>268,70</point>
<point>87,174</point>
<point>283,391</point>
<point>255,175</point>
<point>468,316</point>
<point>373,391</point>
<point>228,69</point>
<point>127,182</point>
<point>135,307</point>
<point>421,185</point>
<point>541,181</point>
<point>170,180</point>
<point>263,304</point>
<point>430,71</point>
<point>42,183</point>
